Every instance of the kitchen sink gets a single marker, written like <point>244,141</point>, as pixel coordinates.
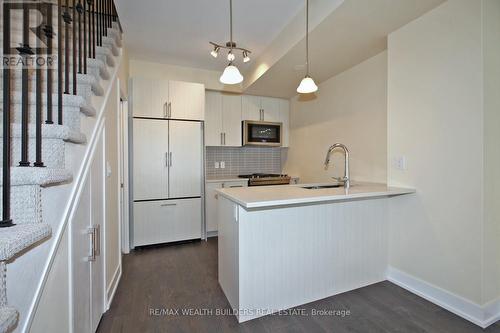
<point>319,187</point>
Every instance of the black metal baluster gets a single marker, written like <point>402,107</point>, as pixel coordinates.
<point>99,23</point>
<point>59,63</point>
<point>80,60</point>
<point>94,36</point>
<point>49,33</point>
<point>6,220</point>
<point>24,51</point>
<point>38,104</point>
<point>103,22</point>
<point>85,55</point>
<point>74,47</point>
<point>67,22</point>
<point>108,13</point>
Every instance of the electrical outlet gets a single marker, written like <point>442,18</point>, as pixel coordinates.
<point>222,165</point>
<point>216,165</point>
<point>400,163</point>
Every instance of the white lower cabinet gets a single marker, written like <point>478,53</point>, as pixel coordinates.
<point>211,202</point>
<point>166,221</point>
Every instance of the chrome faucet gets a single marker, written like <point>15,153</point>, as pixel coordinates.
<point>346,179</point>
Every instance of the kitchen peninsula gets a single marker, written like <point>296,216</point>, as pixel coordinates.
<point>283,246</point>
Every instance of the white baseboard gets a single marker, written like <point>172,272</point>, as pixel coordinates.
<point>110,292</point>
<point>482,316</point>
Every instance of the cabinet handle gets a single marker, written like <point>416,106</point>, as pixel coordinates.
<point>91,233</point>
<point>167,163</point>
<point>221,139</point>
<point>170,159</point>
<point>224,139</point>
<point>97,229</point>
<point>235,186</point>
<point>169,109</point>
<point>168,205</point>
<point>165,110</point>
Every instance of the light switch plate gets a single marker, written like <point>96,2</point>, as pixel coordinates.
<point>222,165</point>
<point>216,165</point>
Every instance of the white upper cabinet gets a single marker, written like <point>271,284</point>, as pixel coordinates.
<point>252,109</point>
<point>285,119</point>
<point>156,98</point>
<point>225,112</point>
<point>222,119</point>
<point>271,109</point>
<point>213,119</point>
<point>231,120</point>
<point>149,97</point>
<point>187,100</point>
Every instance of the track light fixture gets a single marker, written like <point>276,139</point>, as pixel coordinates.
<point>231,73</point>
<point>215,51</point>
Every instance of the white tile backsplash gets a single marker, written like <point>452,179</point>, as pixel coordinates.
<point>242,160</point>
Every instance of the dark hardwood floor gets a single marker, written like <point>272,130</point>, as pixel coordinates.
<point>185,276</point>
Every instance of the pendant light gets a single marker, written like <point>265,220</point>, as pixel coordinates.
<point>307,84</point>
<point>231,74</point>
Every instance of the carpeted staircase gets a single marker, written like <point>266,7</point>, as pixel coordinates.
<point>28,183</point>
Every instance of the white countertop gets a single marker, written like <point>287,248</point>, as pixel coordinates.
<point>285,195</point>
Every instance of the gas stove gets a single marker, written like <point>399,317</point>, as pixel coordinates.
<point>263,179</point>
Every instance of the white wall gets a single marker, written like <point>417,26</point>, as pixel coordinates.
<point>350,108</point>
<point>491,35</point>
<point>435,119</point>
<point>210,79</point>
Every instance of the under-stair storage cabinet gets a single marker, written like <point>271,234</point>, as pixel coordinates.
<point>158,98</point>
<point>167,180</point>
<point>222,119</point>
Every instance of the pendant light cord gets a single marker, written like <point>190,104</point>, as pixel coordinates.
<point>231,23</point>
<point>307,37</point>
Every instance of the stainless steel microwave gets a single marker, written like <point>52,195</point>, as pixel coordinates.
<point>262,133</point>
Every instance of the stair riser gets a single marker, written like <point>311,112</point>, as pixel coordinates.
<point>82,89</point>
<point>92,69</point>
<point>26,204</point>
<point>52,152</point>
<point>71,117</point>
<point>102,55</point>
<point>82,79</point>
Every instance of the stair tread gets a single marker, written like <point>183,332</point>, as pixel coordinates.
<point>49,132</point>
<point>8,318</point>
<point>37,176</point>
<point>88,79</point>
<point>19,237</point>
<point>68,100</point>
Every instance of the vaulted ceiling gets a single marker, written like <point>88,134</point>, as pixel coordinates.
<point>343,33</point>
<point>178,32</point>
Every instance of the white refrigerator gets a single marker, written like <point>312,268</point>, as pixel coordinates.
<point>167,180</point>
